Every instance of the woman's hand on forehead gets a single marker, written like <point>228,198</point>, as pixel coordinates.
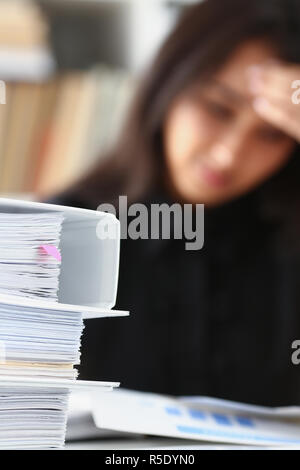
<point>275,88</point>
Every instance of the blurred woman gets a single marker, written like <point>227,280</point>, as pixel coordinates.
<point>213,122</point>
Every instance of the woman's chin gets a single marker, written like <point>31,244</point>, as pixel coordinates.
<point>200,192</point>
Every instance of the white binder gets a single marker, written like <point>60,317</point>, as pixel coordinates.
<point>88,278</point>
<point>90,265</point>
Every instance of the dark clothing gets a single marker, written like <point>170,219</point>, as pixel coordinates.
<point>219,321</point>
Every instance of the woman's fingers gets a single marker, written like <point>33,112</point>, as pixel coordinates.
<point>274,89</point>
<point>262,79</point>
<point>279,115</point>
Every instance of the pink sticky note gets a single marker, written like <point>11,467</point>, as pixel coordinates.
<point>52,251</point>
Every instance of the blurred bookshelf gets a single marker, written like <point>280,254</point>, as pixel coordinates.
<point>70,69</point>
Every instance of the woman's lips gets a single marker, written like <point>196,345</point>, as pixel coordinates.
<point>213,177</point>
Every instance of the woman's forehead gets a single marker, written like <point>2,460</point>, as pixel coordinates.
<point>233,73</point>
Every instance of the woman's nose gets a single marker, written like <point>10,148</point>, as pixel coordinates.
<point>222,155</point>
<point>230,147</point>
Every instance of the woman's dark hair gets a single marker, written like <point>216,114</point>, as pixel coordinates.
<point>204,37</point>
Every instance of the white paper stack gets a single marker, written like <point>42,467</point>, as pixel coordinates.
<point>39,333</point>
<point>33,411</point>
<point>25,268</point>
<point>39,341</point>
<point>36,342</point>
<point>32,417</point>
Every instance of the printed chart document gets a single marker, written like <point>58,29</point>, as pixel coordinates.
<point>197,418</point>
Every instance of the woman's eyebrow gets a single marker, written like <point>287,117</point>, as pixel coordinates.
<point>229,93</point>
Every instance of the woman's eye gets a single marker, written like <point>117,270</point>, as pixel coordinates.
<point>218,110</point>
<point>271,135</point>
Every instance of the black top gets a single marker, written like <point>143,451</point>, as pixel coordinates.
<point>217,322</point>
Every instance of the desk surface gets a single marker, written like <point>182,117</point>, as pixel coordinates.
<point>147,444</point>
<point>128,444</point>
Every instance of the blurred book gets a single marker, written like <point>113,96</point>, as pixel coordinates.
<point>54,124</point>
<point>24,47</point>
<point>54,131</point>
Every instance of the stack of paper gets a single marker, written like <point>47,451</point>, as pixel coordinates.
<point>33,411</point>
<point>39,341</point>
<point>36,341</point>
<point>26,267</point>
<point>32,417</point>
<point>39,336</point>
